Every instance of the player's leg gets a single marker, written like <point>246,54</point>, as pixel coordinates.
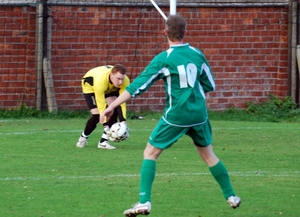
<point>217,169</point>
<point>147,172</point>
<point>91,123</point>
<point>104,143</point>
<point>162,137</point>
<point>108,124</point>
<point>220,173</point>
<point>202,139</point>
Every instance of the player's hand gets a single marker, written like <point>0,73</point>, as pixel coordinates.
<point>106,113</point>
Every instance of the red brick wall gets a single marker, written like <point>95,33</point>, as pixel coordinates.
<point>246,47</point>
<point>17,56</point>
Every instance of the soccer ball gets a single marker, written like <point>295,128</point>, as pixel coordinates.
<point>118,132</point>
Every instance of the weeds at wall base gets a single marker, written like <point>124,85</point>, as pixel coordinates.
<point>272,110</point>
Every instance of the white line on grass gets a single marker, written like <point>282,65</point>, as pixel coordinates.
<point>139,130</point>
<point>40,131</point>
<point>246,174</point>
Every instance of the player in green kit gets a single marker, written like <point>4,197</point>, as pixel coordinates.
<point>187,77</point>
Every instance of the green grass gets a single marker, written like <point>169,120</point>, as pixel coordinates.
<point>44,174</point>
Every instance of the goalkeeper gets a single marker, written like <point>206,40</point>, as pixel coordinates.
<point>101,86</point>
<point>187,77</point>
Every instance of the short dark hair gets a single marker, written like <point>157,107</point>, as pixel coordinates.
<point>176,26</point>
<point>118,68</point>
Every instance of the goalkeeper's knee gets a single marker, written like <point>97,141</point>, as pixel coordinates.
<point>91,124</point>
<point>93,121</point>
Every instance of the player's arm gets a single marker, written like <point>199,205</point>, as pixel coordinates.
<point>207,78</point>
<point>100,98</point>
<point>137,87</point>
<point>110,109</point>
<point>122,110</point>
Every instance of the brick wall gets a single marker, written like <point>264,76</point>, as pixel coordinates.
<point>17,56</point>
<point>246,47</point>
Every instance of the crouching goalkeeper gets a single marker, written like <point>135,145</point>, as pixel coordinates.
<point>100,87</point>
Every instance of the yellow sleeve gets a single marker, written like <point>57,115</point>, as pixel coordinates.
<point>100,86</point>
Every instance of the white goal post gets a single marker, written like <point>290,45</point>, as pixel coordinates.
<point>172,8</point>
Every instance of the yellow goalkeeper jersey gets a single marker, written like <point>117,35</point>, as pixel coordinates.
<point>99,83</point>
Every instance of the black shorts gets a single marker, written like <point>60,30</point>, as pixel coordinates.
<point>91,100</point>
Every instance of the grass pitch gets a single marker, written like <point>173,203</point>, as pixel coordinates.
<point>43,173</point>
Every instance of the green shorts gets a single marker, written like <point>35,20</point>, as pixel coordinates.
<point>165,135</point>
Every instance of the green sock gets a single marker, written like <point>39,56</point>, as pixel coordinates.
<point>220,173</point>
<point>147,177</point>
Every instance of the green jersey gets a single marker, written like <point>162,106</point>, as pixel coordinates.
<point>187,77</point>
